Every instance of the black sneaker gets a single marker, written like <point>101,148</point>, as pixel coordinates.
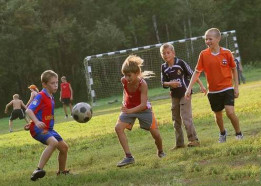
<point>38,173</point>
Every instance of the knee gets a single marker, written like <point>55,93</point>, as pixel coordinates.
<point>54,143</point>
<point>64,148</point>
<point>118,128</point>
<point>230,114</point>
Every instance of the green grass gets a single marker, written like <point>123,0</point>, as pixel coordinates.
<point>95,150</point>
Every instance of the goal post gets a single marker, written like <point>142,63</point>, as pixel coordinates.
<point>103,71</point>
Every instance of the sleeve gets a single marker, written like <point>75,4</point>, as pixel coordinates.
<point>35,104</point>
<point>164,77</point>
<point>231,61</point>
<point>200,66</point>
<point>188,72</point>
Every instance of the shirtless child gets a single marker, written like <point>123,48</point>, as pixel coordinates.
<point>17,110</point>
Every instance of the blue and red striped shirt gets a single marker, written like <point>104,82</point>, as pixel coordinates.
<point>43,108</point>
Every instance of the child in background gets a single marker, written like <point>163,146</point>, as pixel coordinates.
<point>17,110</point>
<point>66,95</point>
<point>41,111</point>
<point>175,74</point>
<point>220,69</point>
<point>135,106</point>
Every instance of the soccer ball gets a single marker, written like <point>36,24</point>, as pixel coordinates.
<point>82,112</point>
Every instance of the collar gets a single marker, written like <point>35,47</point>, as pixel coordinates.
<point>46,93</point>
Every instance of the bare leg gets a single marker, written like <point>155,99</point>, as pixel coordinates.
<point>233,118</point>
<point>158,141</point>
<point>219,121</point>
<point>62,157</point>
<point>65,109</point>
<point>119,129</point>
<point>52,145</point>
<point>70,108</point>
<point>10,125</point>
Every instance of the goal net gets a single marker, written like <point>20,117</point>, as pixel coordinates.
<point>103,71</point>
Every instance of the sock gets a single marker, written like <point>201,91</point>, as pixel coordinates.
<point>223,133</point>
<point>128,155</point>
<point>38,168</point>
<point>239,133</point>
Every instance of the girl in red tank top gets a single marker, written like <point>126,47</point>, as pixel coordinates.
<point>135,106</point>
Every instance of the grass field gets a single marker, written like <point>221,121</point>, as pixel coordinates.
<point>95,150</point>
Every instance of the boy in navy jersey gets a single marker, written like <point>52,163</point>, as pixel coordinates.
<point>175,74</point>
<point>41,111</point>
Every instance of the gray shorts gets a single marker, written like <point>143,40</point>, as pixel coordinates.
<point>146,119</point>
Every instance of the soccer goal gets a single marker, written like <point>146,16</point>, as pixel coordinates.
<point>103,71</point>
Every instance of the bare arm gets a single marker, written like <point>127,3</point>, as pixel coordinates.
<point>236,91</point>
<point>193,80</point>
<point>71,91</point>
<point>8,105</point>
<point>172,84</point>
<point>23,105</point>
<point>30,100</point>
<point>202,88</point>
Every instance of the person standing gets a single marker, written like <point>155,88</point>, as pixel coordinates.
<point>66,95</point>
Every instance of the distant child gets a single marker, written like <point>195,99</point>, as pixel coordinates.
<point>41,111</point>
<point>17,110</point>
<point>219,67</point>
<point>175,74</point>
<point>66,95</point>
<point>34,91</point>
<point>135,106</point>
<point>239,69</point>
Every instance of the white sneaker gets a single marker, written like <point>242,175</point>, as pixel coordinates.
<point>239,137</point>
<point>222,138</point>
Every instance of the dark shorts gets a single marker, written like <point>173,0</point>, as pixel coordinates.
<point>66,101</point>
<point>43,136</point>
<point>17,113</point>
<point>219,100</point>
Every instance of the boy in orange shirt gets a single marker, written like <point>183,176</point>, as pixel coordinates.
<point>219,67</point>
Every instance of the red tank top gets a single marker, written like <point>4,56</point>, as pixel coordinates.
<point>66,92</point>
<point>133,99</point>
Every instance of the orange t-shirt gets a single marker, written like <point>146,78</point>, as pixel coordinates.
<point>217,68</point>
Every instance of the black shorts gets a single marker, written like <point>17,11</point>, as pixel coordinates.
<point>219,100</point>
<point>17,113</point>
<point>66,101</point>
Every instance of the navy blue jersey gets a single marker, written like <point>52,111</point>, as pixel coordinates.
<point>181,72</point>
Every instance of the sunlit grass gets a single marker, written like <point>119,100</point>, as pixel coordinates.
<point>95,150</point>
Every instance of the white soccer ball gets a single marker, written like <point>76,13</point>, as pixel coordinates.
<point>82,112</point>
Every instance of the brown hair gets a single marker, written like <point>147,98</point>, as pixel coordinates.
<point>47,75</point>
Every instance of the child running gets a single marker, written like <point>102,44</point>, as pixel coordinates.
<point>135,105</point>
<point>41,111</point>
<point>17,110</point>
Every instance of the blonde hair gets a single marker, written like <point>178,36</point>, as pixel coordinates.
<point>133,64</point>
<point>166,45</point>
<point>215,31</point>
<point>16,96</point>
<point>47,75</point>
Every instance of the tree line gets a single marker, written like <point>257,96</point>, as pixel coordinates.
<point>57,34</point>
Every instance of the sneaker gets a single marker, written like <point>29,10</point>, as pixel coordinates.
<point>10,130</point>
<point>65,117</point>
<point>239,137</point>
<point>65,172</point>
<point>38,173</point>
<point>161,154</point>
<point>222,138</point>
<point>126,161</point>
<point>194,143</point>
<point>177,147</point>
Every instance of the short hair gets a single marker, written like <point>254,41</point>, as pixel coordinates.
<point>47,75</point>
<point>132,64</point>
<point>16,96</point>
<point>166,45</point>
<point>63,77</point>
<point>215,31</point>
